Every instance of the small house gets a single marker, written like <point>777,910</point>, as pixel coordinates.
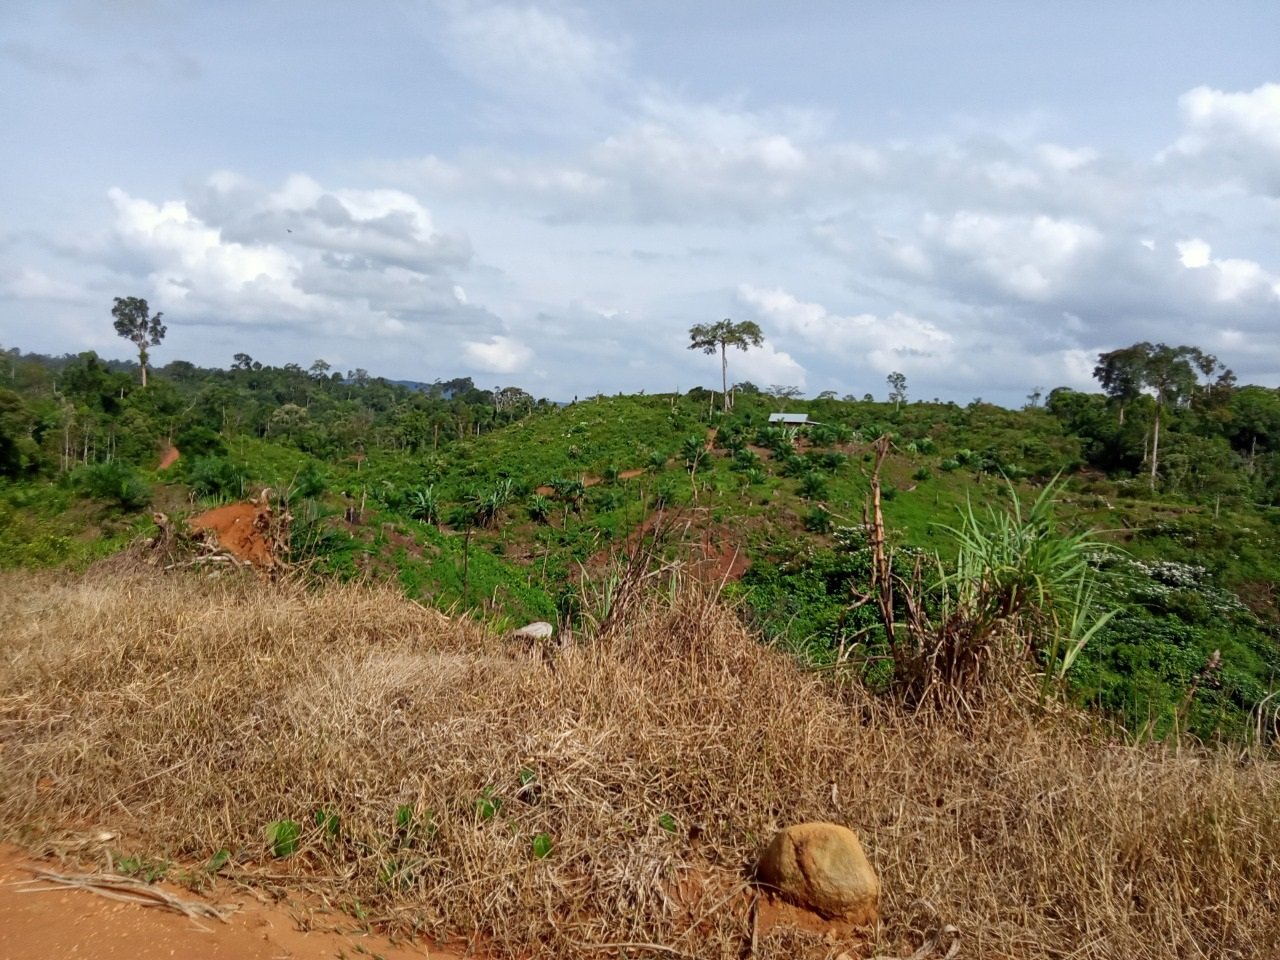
<point>791,419</point>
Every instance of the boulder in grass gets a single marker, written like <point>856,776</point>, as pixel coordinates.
<point>821,866</point>
<point>538,630</point>
<point>538,640</point>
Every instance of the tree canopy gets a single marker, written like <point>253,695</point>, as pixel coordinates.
<point>713,337</point>
<point>134,322</point>
<point>1169,373</point>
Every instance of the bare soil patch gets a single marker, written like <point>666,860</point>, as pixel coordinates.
<point>168,458</point>
<point>40,920</point>
<point>245,530</point>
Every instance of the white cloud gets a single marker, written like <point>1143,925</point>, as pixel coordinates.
<point>667,160</point>
<point>29,283</point>
<point>766,365</point>
<point>1233,278</point>
<point>388,227</point>
<point>1032,258</point>
<point>351,270</point>
<point>1193,253</point>
<point>880,343</point>
<point>1065,160</point>
<point>1232,137</point>
<point>499,354</point>
<point>186,255</point>
<point>530,55</point>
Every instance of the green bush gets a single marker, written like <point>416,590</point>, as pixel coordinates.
<point>539,508</point>
<point>217,477</point>
<point>115,482</point>
<point>199,441</point>
<point>813,486</point>
<point>423,504</point>
<point>818,520</point>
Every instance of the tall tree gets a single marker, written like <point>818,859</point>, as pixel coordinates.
<point>1120,372</point>
<point>713,337</point>
<point>1167,372</point>
<point>135,323</point>
<point>897,388</point>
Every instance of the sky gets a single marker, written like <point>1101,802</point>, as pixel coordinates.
<point>982,195</point>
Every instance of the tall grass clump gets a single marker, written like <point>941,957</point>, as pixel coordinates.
<point>1018,600</point>
<point>433,780</point>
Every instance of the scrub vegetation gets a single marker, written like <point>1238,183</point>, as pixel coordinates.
<point>1032,656</point>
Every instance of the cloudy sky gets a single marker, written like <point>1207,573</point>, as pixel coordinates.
<point>982,195</point>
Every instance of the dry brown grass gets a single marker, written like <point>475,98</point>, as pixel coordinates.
<point>186,713</point>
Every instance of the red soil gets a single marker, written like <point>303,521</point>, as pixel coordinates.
<point>242,529</point>
<point>43,920</point>
<point>169,458</point>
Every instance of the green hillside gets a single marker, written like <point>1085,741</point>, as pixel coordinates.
<point>519,509</point>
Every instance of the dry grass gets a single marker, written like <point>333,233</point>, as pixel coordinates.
<point>187,713</point>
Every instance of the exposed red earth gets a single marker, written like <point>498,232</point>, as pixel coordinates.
<point>242,529</point>
<point>42,920</point>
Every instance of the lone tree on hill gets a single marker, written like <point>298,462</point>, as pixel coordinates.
<point>135,323</point>
<point>710,337</point>
<point>897,388</point>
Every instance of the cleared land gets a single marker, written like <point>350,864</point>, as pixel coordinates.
<point>446,786</point>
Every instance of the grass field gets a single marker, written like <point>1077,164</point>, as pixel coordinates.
<point>417,772</point>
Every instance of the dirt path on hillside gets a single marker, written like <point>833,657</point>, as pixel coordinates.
<point>547,490</point>
<point>169,458</point>
<point>41,921</point>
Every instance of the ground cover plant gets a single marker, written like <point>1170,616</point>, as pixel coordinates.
<point>414,771</point>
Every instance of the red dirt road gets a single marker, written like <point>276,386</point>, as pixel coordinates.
<point>42,921</point>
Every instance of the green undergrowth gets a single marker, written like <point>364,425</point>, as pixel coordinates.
<point>524,520</point>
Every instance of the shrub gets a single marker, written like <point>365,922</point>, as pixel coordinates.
<point>539,508</point>
<point>199,441</point>
<point>818,520</point>
<point>424,504</point>
<point>309,483</point>
<point>813,486</point>
<point>217,477</point>
<point>607,499</point>
<point>115,482</point>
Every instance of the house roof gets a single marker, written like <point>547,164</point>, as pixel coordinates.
<point>790,418</point>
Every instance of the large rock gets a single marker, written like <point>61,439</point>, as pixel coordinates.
<point>821,866</point>
<point>538,630</point>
